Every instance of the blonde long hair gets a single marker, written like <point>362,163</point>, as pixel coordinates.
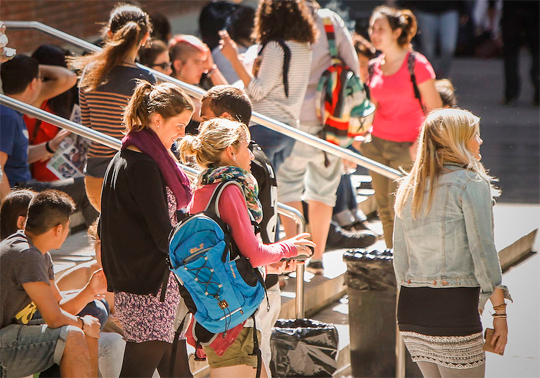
<point>214,137</point>
<point>443,139</point>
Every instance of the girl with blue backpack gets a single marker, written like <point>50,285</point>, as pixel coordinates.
<point>221,149</point>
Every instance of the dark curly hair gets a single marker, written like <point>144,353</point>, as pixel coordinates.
<point>402,19</point>
<point>289,20</point>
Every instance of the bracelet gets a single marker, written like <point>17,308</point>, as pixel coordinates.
<point>499,316</point>
<point>48,147</point>
<point>500,307</point>
<point>82,322</point>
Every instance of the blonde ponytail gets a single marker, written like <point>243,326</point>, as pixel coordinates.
<point>214,137</point>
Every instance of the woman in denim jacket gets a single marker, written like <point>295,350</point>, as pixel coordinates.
<point>444,252</point>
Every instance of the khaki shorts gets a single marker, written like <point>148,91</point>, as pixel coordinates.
<point>304,176</point>
<point>239,353</point>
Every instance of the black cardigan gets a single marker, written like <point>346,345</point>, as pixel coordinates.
<point>135,224</point>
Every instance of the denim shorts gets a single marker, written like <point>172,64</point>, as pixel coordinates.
<point>29,349</point>
<point>276,146</point>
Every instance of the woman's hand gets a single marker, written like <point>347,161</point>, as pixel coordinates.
<point>228,47</point>
<point>302,243</point>
<point>282,266</point>
<point>209,62</point>
<point>98,283</point>
<point>91,326</point>
<point>55,142</point>
<point>500,336</point>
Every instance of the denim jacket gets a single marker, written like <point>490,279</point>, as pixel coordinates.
<point>453,245</point>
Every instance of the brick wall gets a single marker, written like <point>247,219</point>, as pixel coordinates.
<point>81,18</point>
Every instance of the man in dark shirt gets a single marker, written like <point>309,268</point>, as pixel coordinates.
<point>21,80</point>
<point>30,346</point>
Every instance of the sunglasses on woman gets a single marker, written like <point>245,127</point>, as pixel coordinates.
<point>163,65</point>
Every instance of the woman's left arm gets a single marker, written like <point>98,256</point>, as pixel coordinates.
<point>401,260</point>
<point>234,212</point>
<point>430,96</point>
<point>425,77</point>
<point>478,214</point>
<point>229,49</point>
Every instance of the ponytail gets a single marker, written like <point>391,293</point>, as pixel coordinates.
<point>410,28</point>
<point>214,137</point>
<point>136,116</point>
<point>165,99</point>
<point>128,25</point>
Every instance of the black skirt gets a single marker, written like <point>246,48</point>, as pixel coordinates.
<point>439,312</point>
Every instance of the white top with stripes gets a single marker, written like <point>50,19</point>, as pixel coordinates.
<point>267,91</point>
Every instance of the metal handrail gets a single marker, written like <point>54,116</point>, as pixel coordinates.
<point>197,93</point>
<point>114,143</point>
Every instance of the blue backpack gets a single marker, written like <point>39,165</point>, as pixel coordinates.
<point>223,289</point>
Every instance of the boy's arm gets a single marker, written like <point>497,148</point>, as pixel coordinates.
<point>76,303</point>
<point>44,298</point>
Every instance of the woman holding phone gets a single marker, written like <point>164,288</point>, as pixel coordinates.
<point>444,252</point>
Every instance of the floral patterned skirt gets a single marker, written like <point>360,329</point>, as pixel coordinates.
<point>145,317</point>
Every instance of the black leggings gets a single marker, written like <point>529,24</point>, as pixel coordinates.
<point>142,359</point>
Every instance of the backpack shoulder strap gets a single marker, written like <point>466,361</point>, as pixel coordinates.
<point>213,204</point>
<point>371,69</point>
<point>411,61</point>
<point>286,62</point>
<point>331,37</point>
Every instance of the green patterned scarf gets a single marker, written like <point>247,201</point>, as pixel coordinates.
<point>244,178</point>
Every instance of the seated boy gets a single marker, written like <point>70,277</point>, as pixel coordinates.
<point>30,346</point>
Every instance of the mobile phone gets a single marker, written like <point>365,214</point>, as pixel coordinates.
<point>488,335</point>
<point>300,257</point>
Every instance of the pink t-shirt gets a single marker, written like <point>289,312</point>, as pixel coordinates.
<point>399,116</point>
<point>234,212</point>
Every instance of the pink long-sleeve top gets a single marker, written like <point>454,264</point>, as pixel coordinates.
<point>234,212</point>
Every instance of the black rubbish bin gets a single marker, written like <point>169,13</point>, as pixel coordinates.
<point>303,348</point>
<point>372,293</point>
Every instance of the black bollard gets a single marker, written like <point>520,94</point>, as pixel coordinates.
<point>372,292</point>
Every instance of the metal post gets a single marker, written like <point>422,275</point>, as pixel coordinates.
<point>291,212</point>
